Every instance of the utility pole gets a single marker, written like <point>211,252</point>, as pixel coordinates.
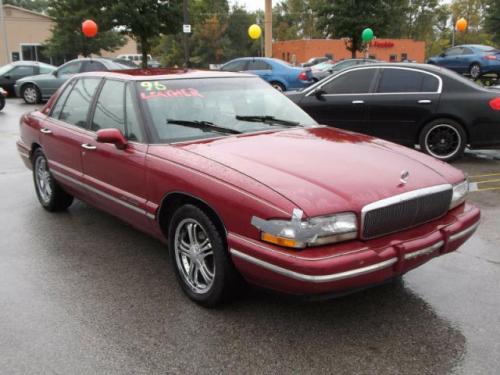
<point>4,33</point>
<point>268,28</point>
<point>186,29</point>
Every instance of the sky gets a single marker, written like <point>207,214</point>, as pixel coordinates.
<point>251,5</point>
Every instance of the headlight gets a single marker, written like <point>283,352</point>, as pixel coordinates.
<point>460,192</point>
<point>313,232</point>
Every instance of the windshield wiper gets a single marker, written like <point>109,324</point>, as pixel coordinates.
<point>203,126</point>
<point>271,120</point>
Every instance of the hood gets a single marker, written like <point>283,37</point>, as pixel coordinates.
<point>324,170</point>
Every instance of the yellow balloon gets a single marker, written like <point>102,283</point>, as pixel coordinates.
<point>254,31</point>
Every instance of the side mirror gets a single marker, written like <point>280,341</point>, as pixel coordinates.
<point>113,136</point>
<point>54,73</point>
<point>6,77</point>
<point>318,92</point>
<point>442,55</point>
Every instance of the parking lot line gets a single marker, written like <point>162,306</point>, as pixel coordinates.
<point>485,175</point>
<point>485,189</point>
<point>484,182</point>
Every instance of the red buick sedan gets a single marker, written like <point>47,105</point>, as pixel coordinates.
<point>240,183</point>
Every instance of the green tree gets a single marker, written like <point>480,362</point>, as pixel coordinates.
<point>67,38</point>
<point>347,19</point>
<point>145,20</point>
<point>35,5</point>
<point>492,20</point>
<point>296,19</point>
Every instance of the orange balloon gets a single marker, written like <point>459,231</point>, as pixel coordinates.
<point>461,24</point>
<point>89,28</point>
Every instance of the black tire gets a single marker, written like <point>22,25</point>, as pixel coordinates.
<point>278,86</point>
<point>31,94</point>
<point>2,102</point>
<point>444,139</point>
<point>50,195</point>
<point>475,71</point>
<point>225,278</point>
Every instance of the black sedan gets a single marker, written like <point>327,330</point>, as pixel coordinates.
<point>10,73</point>
<point>410,104</point>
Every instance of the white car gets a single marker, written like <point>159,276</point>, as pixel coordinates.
<point>137,59</point>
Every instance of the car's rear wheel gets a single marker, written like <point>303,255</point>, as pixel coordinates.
<point>200,257</point>
<point>31,94</point>
<point>443,139</point>
<point>51,196</point>
<point>475,70</point>
<point>278,86</point>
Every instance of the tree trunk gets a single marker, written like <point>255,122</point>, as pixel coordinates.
<point>144,51</point>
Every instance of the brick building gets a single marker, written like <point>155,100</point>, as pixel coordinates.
<point>300,51</point>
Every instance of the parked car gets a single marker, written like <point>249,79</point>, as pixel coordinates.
<point>326,68</point>
<point>34,89</point>
<point>191,158</point>
<point>472,59</point>
<point>10,73</point>
<point>136,58</point>
<point>3,95</point>
<point>409,104</point>
<point>281,75</point>
<point>314,61</point>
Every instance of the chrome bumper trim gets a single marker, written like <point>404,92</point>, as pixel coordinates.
<point>315,278</point>
<point>464,233</point>
<point>26,156</point>
<point>424,251</point>
<point>102,194</point>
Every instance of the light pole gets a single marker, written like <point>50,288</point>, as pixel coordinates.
<point>268,28</point>
<point>186,31</point>
<point>4,32</point>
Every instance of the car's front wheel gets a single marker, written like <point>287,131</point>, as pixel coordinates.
<point>443,139</point>
<point>200,257</point>
<point>475,71</point>
<point>51,196</point>
<point>278,86</point>
<point>30,94</point>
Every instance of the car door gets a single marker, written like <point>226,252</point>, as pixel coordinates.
<point>451,59</point>
<point>260,68</point>
<point>63,131</point>
<point>17,72</point>
<point>466,59</point>
<point>117,176</point>
<point>59,76</point>
<point>343,100</point>
<point>405,98</point>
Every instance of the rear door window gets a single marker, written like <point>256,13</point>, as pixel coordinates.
<point>22,71</point>
<point>357,81</point>
<point>258,65</point>
<point>403,80</point>
<point>75,110</point>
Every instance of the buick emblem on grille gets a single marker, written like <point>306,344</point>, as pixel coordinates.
<point>404,177</point>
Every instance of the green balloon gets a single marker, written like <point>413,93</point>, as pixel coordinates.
<point>367,34</point>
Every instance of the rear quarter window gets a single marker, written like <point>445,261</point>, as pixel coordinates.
<point>404,80</point>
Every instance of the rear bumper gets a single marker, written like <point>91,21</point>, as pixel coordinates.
<point>351,265</point>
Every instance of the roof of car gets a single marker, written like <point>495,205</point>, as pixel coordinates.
<point>166,74</point>
<point>29,62</point>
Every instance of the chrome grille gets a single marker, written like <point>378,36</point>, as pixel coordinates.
<point>405,211</point>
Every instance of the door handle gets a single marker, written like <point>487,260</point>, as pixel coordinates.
<point>46,131</point>
<point>424,101</point>
<point>358,102</point>
<point>88,146</point>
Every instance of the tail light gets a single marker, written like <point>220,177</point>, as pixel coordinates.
<point>490,57</point>
<point>495,104</point>
<point>303,76</point>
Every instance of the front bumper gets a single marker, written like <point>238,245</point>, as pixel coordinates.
<point>353,264</point>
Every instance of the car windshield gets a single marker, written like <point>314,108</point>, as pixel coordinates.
<point>4,69</point>
<point>191,109</point>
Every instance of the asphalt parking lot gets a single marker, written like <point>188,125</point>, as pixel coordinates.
<point>83,293</point>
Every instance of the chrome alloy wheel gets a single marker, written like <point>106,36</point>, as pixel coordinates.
<point>30,95</point>
<point>194,256</point>
<point>443,141</point>
<point>43,179</point>
<point>475,71</point>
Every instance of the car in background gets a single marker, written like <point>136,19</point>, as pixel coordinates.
<point>324,69</point>
<point>136,58</point>
<point>12,72</point>
<point>410,104</point>
<point>314,61</point>
<point>471,59</point>
<point>34,89</point>
<point>3,95</point>
<point>280,74</point>
<point>240,183</point>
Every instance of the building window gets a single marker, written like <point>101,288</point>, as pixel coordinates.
<point>288,56</point>
<point>283,56</point>
<point>404,56</point>
<point>15,56</point>
<point>373,57</point>
<point>34,52</point>
<point>393,58</point>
